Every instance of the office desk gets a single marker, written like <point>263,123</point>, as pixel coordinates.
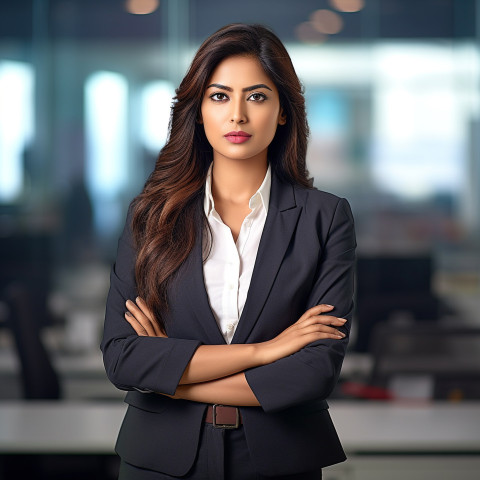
<point>82,376</point>
<point>438,441</point>
<point>364,427</point>
<point>381,427</point>
<point>420,442</point>
<point>59,427</point>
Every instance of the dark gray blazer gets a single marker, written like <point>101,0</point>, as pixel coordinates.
<point>306,257</point>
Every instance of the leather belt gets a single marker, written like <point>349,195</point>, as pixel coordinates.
<point>223,416</point>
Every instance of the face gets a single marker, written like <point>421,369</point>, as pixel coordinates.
<point>240,110</point>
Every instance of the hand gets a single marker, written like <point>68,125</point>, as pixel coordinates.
<point>310,327</point>
<point>139,316</point>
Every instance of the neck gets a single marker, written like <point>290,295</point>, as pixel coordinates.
<point>237,181</point>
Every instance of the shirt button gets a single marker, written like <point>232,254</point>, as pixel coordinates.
<point>230,327</point>
<point>231,286</point>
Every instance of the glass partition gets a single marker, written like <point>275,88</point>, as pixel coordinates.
<point>392,91</point>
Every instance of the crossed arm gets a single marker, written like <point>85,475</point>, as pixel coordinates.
<point>215,373</point>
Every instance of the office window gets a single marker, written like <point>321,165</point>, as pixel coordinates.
<point>16,126</point>
<point>106,110</point>
<point>156,101</point>
<point>420,120</point>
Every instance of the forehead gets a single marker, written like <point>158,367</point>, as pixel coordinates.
<point>241,71</point>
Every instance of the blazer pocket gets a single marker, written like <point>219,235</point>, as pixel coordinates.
<point>160,434</point>
<point>306,433</point>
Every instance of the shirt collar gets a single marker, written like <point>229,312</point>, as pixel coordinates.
<point>261,195</point>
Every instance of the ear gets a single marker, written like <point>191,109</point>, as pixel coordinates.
<point>282,117</point>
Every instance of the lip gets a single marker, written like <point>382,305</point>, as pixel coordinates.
<point>237,137</point>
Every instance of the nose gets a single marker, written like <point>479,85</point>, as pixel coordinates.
<point>238,114</point>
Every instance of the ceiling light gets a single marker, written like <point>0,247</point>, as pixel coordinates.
<point>307,33</point>
<point>326,21</point>
<point>347,6</point>
<point>141,7</point>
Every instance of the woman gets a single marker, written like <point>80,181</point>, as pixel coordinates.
<point>223,316</point>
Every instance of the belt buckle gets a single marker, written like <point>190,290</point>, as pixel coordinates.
<point>227,426</point>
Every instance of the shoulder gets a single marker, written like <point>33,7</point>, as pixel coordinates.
<point>314,203</point>
<point>315,200</point>
<point>330,216</point>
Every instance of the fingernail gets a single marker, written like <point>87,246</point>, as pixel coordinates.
<point>128,314</point>
<point>343,320</point>
<point>328,305</point>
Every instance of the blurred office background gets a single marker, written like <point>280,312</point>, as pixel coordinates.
<point>393,99</point>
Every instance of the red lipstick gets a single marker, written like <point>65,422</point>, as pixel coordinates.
<point>237,137</point>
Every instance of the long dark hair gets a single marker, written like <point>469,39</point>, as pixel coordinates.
<point>166,215</point>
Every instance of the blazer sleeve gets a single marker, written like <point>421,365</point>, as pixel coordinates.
<point>133,362</point>
<point>313,372</point>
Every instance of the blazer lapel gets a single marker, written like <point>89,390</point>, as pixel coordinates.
<point>194,289</point>
<point>282,218</point>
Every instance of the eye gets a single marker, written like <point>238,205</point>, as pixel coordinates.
<point>219,97</point>
<point>257,97</point>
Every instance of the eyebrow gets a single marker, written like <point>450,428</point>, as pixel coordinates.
<point>246,89</point>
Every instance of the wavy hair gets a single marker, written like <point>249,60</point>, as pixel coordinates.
<point>167,214</point>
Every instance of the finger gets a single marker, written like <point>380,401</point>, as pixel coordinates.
<point>323,307</point>
<point>323,336</point>
<point>321,319</point>
<point>143,307</point>
<point>329,320</point>
<point>320,328</point>
<point>312,326</point>
<point>136,310</point>
<point>136,325</point>
<point>148,313</point>
<point>141,318</point>
<point>140,329</point>
<point>158,331</point>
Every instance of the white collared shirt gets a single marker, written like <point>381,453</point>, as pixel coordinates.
<point>228,269</point>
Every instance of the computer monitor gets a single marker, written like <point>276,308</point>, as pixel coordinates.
<point>390,286</point>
